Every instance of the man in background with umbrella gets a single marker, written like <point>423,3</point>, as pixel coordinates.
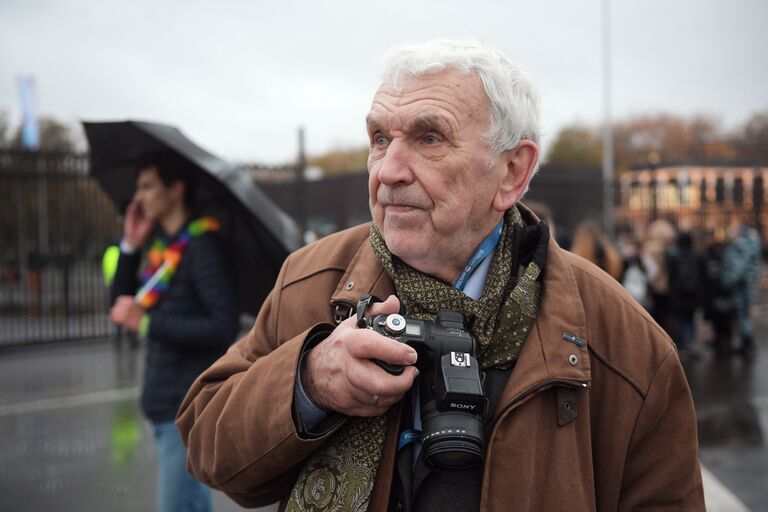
<point>201,271</point>
<point>185,306</point>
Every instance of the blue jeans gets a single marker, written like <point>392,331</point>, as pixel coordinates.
<point>177,490</point>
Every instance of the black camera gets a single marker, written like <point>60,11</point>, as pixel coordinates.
<point>453,404</point>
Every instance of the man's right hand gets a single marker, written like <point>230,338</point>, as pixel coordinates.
<point>339,374</point>
<point>137,226</point>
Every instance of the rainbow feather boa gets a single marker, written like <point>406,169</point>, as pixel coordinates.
<point>164,260</point>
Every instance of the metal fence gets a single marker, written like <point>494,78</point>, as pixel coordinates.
<point>702,200</point>
<point>55,223</point>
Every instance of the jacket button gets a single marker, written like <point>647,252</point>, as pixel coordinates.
<point>349,285</point>
<point>573,359</point>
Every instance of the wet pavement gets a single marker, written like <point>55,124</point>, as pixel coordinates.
<point>73,438</point>
<point>731,398</point>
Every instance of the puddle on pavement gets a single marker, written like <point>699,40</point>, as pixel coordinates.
<point>125,434</point>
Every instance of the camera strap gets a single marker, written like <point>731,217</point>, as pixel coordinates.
<point>408,436</point>
<point>362,305</point>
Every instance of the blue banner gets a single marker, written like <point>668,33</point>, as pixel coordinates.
<point>30,130</point>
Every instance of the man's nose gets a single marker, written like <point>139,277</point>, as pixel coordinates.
<point>395,165</point>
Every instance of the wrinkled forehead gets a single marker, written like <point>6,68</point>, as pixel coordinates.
<point>450,90</point>
<point>468,81</point>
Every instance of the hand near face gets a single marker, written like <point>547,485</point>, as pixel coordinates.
<point>137,226</point>
<point>339,374</point>
<point>127,313</point>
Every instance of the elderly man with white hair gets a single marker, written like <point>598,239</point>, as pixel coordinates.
<point>448,355</point>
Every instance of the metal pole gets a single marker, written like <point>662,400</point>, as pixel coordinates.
<point>608,163</point>
<point>654,159</point>
<point>301,211</point>
<point>654,194</point>
<point>42,207</point>
<point>43,230</point>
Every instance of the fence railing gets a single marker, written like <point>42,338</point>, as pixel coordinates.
<point>703,200</point>
<point>55,223</point>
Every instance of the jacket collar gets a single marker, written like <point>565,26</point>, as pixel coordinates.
<point>555,351</point>
<point>364,275</point>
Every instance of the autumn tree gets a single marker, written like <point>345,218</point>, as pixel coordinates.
<point>675,140</point>
<point>753,143</point>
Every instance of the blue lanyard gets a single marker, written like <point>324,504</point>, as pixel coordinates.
<point>407,437</point>
<point>483,250</point>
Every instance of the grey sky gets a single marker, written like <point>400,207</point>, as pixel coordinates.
<point>240,76</point>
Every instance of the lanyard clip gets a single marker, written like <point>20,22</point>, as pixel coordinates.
<point>365,301</point>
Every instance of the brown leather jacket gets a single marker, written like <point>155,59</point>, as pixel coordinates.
<point>608,425</point>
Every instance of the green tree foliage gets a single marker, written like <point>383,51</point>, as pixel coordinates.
<point>576,146</point>
<point>339,161</point>
<point>3,129</point>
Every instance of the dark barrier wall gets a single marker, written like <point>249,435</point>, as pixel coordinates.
<point>55,223</point>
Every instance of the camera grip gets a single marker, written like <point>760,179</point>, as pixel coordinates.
<point>393,369</point>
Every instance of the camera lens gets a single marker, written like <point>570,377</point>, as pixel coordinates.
<point>451,440</point>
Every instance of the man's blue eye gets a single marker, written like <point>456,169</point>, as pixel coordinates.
<point>431,139</point>
<point>380,140</point>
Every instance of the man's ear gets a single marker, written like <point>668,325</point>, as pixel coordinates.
<point>519,164</point>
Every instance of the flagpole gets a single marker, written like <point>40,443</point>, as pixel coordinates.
<point>608,162</point>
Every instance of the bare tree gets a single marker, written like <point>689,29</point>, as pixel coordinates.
<point>54,136</point>
<point>754,138</point>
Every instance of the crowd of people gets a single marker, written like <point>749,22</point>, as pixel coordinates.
<point>675,277</point>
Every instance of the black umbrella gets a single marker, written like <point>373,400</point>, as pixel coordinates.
<point>258,234</point>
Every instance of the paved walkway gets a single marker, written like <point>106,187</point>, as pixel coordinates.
<point>72,434</point>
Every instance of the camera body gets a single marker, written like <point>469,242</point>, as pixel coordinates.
<point>453,404</point>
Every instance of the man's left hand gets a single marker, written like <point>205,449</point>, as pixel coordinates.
<point>126,312</point>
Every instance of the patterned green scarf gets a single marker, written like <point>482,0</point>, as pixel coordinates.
<point>340,475</point>
<point>499,320</point>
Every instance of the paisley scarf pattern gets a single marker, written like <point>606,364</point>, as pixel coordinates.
<point>340,475</point>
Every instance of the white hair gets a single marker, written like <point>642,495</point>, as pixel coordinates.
<point>512,97</point>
